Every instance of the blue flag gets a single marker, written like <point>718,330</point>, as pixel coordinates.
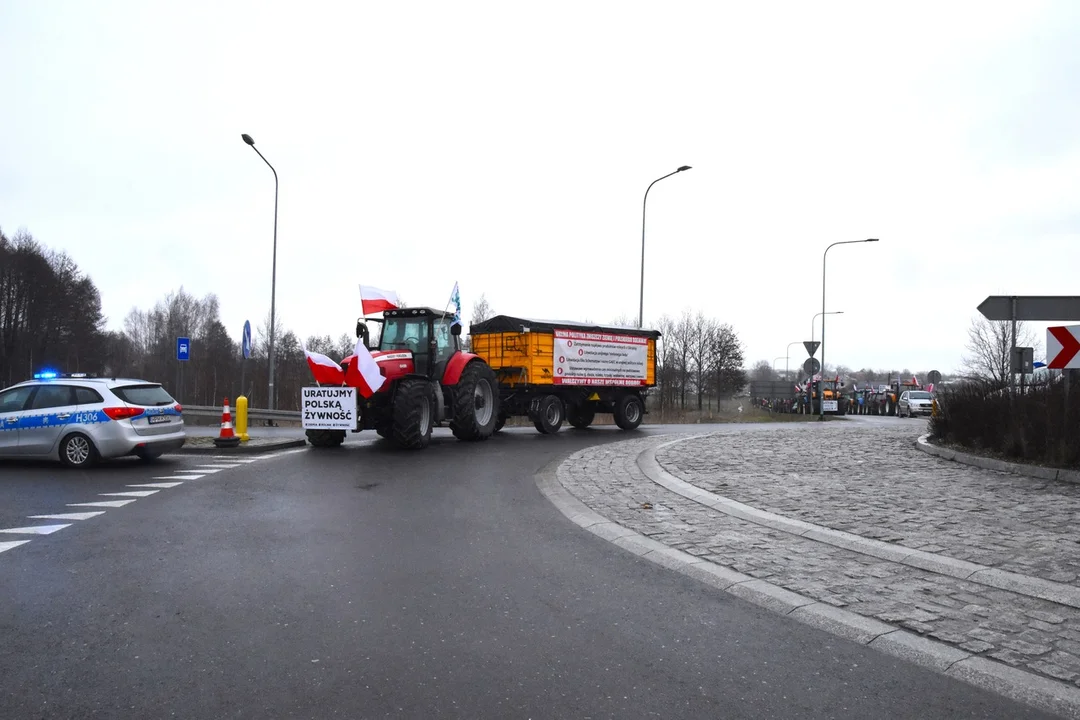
<point>455,300</point>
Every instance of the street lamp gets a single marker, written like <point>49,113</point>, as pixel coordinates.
<point>787,357</point>
<point>825,256</point>
<point>813,322</point>
<point>774,364</point>
<point>273,275</point>
<point>641,301</point>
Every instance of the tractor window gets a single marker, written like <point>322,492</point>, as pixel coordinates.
<point>405,334</point>
<point>444,341</point>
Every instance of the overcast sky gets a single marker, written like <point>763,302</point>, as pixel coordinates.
<point>507,146</point>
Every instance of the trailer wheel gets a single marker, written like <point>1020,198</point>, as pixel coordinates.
<point>499,423</point>
<point>411,428</point>
<point>325,438</point>
<point>629,412</point>
<point>580,417</point>
<point>548,415</point>
<point>476,403</point>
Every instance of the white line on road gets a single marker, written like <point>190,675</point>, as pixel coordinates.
<point>178,477</point>
<point>235,460</point>
<point>103,503</point>
<point>213,467</point>
<point>35,530</point>
<point>68,516</point>
<point>130,493</point>
<point>160,486</point>
<point>5,546</point>
<point>204,472</point>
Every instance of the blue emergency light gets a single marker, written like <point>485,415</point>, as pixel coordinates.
<point>46,375</point>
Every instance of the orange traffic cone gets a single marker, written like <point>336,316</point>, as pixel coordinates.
<point>226,438</point>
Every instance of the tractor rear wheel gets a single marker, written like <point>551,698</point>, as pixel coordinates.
<point>580,417</point>
<point>412,414</point>
<point>476,403</point>
<point>629,412</point>
<point>325,438</point>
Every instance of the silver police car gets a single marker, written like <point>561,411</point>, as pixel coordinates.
<point>78,419</point>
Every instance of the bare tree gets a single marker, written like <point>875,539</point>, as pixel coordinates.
<point>989,342</point>
<point>762,370</point>
<point>702,336</point>
<point>481,309</point>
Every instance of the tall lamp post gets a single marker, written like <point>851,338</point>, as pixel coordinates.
<point>813,325</point>
<point>787,364</point>
<point>824,257</point>
<point>641,301</point>
<point>273,275</point>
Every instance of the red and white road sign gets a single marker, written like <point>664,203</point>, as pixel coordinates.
<point>1063,347</point>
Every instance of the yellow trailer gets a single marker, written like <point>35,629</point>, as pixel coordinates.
<point>549,371</point>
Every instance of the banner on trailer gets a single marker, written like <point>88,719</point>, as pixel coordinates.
<point>594,358</point>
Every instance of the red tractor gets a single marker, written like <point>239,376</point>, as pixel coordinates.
<point>429,380</point>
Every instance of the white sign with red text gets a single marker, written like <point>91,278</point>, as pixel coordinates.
<point>594,358</point>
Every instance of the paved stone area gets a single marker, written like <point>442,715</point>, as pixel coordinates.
<point>868,479</point>
<point>1032,634</point>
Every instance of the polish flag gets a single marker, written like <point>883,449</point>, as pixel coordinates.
<point>363,373</point>
<point>325,370</point>
<point>375,300</point>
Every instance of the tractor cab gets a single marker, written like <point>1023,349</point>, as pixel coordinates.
<point>430,336</point>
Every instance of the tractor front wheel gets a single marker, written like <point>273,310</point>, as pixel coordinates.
<point>325,438</point>
<point>412,414</point>
<point>476,403</point>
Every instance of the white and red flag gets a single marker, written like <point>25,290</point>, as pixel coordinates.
<point>376,300</point>
<point>363,373</point>
<point>324,370</point>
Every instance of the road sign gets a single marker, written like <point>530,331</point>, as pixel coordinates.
<point>811,347</point>
<point>1022,360</point>
<point>934,377</point>
<point>1063,347</point>
<point>246,341</point>
<point>1031,307</point>
<point>811,366</point>
<point>183,348</point>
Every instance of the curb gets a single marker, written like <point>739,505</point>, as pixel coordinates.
<point>933,562</point>
<point>942,658</point>
<point>241,449</point>
<point>1035,471</point>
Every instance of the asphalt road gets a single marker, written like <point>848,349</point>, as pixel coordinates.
<point>365,582</point>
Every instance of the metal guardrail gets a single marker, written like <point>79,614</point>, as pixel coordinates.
<point>253,413</point>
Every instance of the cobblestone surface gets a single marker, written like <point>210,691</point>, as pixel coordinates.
<point>869,479</point>
<point>1036,635</point>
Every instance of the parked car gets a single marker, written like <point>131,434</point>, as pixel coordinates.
<point>914,402</point>
<point>79,419</point>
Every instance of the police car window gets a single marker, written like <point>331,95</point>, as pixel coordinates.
<point>52,396</point>
<point>15,399</point>
<point>87,396</point>
<point>143,395</point>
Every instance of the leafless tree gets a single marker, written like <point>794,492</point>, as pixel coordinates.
<point>988,346</point>
<point>762,370</point>
<point>481,309</point>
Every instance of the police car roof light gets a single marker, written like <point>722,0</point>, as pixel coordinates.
<point>47,375</point>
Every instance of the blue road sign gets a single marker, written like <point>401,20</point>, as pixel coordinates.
<point>247,340</point>
<point>183,348</point>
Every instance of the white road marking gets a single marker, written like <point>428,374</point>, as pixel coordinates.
<point>160,486</point>
<point>212,467</point>
<point>237,460</point>
<point>130,493</point>
<point>35,530</point>
<point>204,472</point>
<point>178,477</point>
<point>5,546</point>
<point>68,516</point>
<point>103,503</point>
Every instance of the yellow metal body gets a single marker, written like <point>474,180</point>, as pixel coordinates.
<point>242,418</point>
<point>527,358</point>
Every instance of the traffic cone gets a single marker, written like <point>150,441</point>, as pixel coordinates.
<point>226,438</point>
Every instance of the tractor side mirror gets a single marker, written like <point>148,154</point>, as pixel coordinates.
<point>455,330</point>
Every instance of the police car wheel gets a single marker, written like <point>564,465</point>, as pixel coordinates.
<point>77,451</point>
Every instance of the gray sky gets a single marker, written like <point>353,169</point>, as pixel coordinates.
<point>508,147</point>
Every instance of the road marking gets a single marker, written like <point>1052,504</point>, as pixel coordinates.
<point>35,530</point>
<point>178,477</point>
<point>236,460</point>
<point>68,516</point>
<point>130,493</point>
<point>160,486</point>
<point>5,546</point>
<point>211,467</point>
<point>204,472</point>
<point>103,503</point>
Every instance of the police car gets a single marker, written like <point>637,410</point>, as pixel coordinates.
<point>79,418</point>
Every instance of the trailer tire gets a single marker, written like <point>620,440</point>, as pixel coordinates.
<point>500,423</point>
<point>549,414</point>
<point>412,414</point>
<point>325,438</point>
<point>580,417</point>
<point>629,412</point>
<point>476,403</point>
